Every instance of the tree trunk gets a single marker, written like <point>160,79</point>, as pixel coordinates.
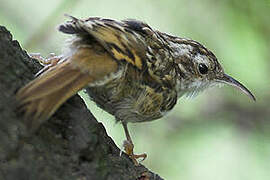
<point>72,145</point>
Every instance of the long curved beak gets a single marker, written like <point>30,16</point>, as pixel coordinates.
<point>231,81</point>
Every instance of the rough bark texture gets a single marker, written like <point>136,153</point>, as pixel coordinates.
<point>71,145</point>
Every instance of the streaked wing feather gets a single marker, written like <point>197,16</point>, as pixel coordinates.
<point>121,39</point>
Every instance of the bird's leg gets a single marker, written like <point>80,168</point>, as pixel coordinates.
<point>129,146</point>
<point>51,61</point>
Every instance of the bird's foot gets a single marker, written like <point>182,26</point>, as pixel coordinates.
<point>51,61</point>
<point>128,147</point>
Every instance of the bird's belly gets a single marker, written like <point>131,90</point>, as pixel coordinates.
<point>127,102</point>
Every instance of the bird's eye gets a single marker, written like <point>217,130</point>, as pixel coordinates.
<point>203,69</point>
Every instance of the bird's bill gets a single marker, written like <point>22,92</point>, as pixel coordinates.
<point>226,79</point>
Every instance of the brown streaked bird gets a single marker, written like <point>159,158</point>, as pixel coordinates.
<point>127,68</point>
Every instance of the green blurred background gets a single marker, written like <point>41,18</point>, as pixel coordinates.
<point>219,135</point>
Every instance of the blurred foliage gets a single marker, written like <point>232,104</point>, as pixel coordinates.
<point>220,134</point>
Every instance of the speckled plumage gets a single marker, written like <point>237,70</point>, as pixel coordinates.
<point>155,68</point>
<point>129,69</point>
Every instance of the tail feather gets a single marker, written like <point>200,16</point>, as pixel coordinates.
<point>40,98</point>
<point>48,82</point>
<point>43,96</point>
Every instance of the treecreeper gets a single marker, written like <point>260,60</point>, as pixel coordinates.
<point>129,69</point>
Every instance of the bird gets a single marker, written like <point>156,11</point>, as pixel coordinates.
<point>129,69</point>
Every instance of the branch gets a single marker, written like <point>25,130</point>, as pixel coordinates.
<point>71,145</point>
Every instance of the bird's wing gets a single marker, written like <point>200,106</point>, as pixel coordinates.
<point>124,40</point>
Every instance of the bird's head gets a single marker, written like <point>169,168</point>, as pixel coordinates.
<point>198,69</point>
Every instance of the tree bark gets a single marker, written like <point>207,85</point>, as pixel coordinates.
<point>72,145</point>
